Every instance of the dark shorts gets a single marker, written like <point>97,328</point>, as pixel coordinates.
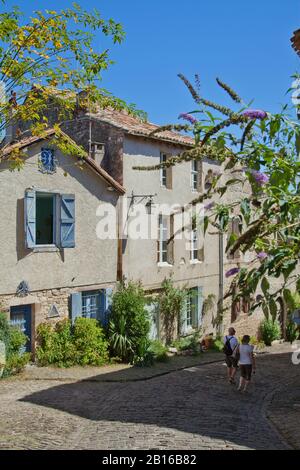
<point>246,371</point>
<point>231,361</point>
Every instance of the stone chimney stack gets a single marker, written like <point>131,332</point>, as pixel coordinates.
<point>98,150</point>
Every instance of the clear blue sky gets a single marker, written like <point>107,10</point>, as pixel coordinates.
<point>247,44</point>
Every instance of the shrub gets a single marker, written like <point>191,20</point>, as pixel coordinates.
<point>64,346</point>
<point>159,350</point>
<point>188,343</point>
<point>89,342</point>
<point>270,331</point>
<point>292,331</point>
<point>171,301</point>
<point>55,345</point>
<point>144,356</point>
<point>129,322</point>
<point>14,341</point>
<point>218,344</point>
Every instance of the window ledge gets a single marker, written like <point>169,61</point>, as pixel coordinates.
<point>45,249</point>
<point>196,261</point>
<point>164,265</point>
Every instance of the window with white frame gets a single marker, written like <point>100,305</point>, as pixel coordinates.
<point>91,304</point>
<point>162,255</point>
<point>194,244</point>
<point>194,175</point>
<point>163,171</point>
<point>49,219</point>
<point>189,312</point>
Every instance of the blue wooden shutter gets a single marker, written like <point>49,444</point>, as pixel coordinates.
<point>30,218</point>
<point>67,221</point>
<point>105,305</point>
<point>199,305</point>
<point>76,306</point>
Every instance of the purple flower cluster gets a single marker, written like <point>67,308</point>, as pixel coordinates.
<point>262,255</point>
<point>188,117</point>
<point>232,272</point>
<point>255,113</point>
<point>260,177</point>
<point>209,205</point>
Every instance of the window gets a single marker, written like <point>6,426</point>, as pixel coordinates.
<point>49,219</point>
<point>162,255</point>
<point>208,180</point>
<point>192,314</point>
<point>45,219</point>
<point>194,244</point>
<point>196,253</point>
<point>47,161</point>
<point>234,231</point>
<point>190,310</point>
<point>196,175</point>
<point>165,242</point>
<point>165,173</point>
<point>91,304</point>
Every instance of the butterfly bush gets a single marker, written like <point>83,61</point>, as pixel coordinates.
<point>255,113</point>
<point>188,117</point>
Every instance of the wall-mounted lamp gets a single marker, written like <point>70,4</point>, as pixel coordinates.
<point>141,198</point>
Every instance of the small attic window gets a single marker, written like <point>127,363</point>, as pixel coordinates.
<point>47,161</point>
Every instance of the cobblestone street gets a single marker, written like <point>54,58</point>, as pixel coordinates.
<point>194,408</point>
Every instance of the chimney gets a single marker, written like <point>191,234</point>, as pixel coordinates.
<point>98,150</point>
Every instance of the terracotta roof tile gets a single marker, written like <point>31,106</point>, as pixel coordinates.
<point>134,126</point>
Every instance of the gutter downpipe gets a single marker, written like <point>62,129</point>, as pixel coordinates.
<point>220,325</point>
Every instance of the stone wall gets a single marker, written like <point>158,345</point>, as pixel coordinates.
<point>41,303</point>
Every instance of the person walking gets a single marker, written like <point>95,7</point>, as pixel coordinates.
<point>230,347</point>
<point>247,363</point>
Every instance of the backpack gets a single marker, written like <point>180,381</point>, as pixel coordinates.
<point>227,349</point>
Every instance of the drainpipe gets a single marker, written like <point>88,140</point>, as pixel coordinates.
<point>221,282</point>
<point>120,239</point>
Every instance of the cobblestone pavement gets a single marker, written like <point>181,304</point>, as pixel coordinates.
<point>194,408</point>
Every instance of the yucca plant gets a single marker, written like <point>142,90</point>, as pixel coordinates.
<point>120,343</point>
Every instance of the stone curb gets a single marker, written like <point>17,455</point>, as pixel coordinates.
<point>119,380</point>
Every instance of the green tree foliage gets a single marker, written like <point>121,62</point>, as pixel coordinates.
<point>259,153</point>
<point>52,56</point>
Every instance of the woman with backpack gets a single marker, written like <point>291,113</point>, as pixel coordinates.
<point>230,347</point>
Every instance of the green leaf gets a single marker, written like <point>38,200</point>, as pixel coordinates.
<point>273,308</point>
<point>265,286</point>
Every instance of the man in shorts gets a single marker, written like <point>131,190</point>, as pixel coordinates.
<point>230,347</point>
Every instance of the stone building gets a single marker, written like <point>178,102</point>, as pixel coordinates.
<point>128,224</point>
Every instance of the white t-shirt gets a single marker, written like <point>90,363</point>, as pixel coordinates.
<point>233,341</point>
<point>246,351</point>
